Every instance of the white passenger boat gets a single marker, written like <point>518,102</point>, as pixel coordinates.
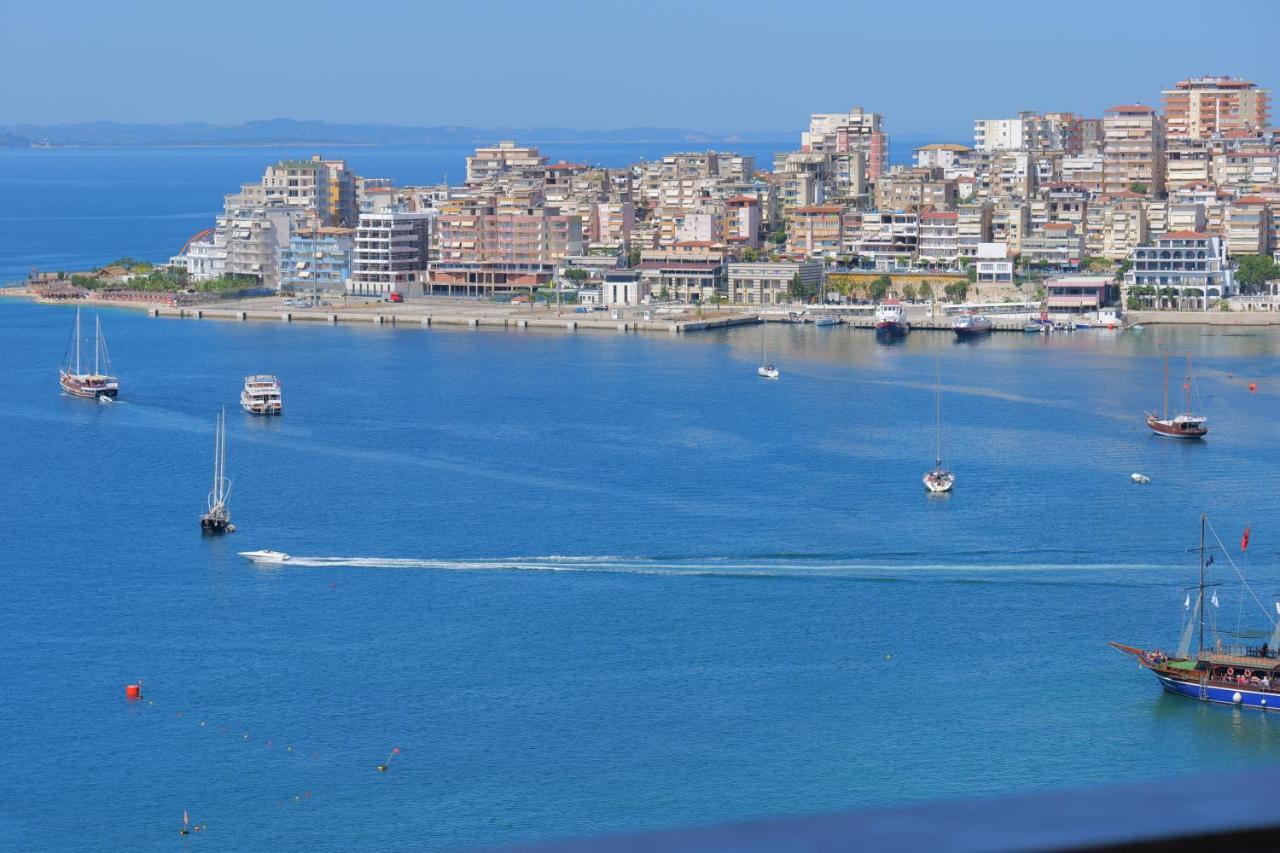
<point>971,326</point>
<point>261,395</point>
<point>827,320</point>
<point>266,555</point>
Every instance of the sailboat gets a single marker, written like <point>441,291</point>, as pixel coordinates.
<point>767,370</point>
<point>1185,425</point>
<point>217,519</point>
<point>938,479</point>
<point>1236,674</point>
<point>96,385</point>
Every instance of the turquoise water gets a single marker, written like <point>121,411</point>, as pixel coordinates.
<point>599,582</point>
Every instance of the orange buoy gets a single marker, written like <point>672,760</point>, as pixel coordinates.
<point>1253,386</point>
<point>133,692</point>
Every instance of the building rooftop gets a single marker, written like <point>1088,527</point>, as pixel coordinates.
<point>1131,108</point>
<point>1184,235</point>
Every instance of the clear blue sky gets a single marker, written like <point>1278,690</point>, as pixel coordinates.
<point>931,67</point>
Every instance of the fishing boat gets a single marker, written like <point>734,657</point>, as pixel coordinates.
<point>217,518</point>
<point>766,368</point>
<point>891,319</point>
<point>827,320</point>
<point>266,555</point>
<point>74,380</point>
<point>261,395</point>
<point>1185,425</point>
<point>938,479</point>
<point>971,326</point>
<point>1227,674</point>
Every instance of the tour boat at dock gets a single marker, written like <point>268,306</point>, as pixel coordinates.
<point>891,319</point>
<point>1236,674</point>
<point>217,518</point>
<point>971,326</point>
<point>100,383</point>
<point>261,395</point>
<point>827,320</point>
<point>1185,425</point>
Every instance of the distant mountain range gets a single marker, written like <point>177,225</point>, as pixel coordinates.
<point>283,131</point>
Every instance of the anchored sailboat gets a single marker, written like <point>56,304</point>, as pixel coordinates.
<point>938,479</point>
<point>1185,425</point>
<point>766,369</point>
<point>217,519</point>
<point>96,385</point>
<point>1234,674</point>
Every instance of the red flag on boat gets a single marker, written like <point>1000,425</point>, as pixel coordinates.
<point>1244,540</point>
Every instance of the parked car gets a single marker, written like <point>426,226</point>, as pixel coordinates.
<point>395,297</point>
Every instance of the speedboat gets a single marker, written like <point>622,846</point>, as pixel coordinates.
<point>768,371</point>
<point>1140,479</point>
<point>266,555</point>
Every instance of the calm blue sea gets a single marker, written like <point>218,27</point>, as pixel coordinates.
<point>598,582</point>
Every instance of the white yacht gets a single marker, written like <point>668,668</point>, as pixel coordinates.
<point>766,368</point>
<point>261,395</point>
<point>266,555</point>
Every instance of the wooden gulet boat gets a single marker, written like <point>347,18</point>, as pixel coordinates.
<point>98,385</point>
<point>1247,676</point>
<point>1185,425</point>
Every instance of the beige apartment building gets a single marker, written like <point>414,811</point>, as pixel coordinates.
<point>1133,150</point>
<point>814,231</point>
<point>1203,107</point>
<point>1249,226</point>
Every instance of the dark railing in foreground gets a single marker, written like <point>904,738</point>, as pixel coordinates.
<point>1235,812</point>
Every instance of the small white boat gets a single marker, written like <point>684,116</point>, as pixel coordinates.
<point>266,555</point>
<point>1139,478</point>
<point>766,368</point>
<point>827,320</point>
<point>938,479</point>
<point>768,371</point>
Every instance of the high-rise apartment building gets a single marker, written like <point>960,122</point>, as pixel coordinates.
<point>1210,106</point>
<point>1133,155</point>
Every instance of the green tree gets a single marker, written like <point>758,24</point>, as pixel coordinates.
<point>909,292</point>
<point>1124,267</point>
<point>1138,187</point>
<point>797,290</point>
<point>926,291</point>
<point>633,257</point>
<point>1255,271</point>
<point>750,254</point>
<point>957,291</point>
<point>577,275</point>
<point>778,237</point>
<point>879,288</point>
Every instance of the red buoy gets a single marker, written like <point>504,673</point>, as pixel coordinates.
<point>133,692</point>
<point>1253,386</point>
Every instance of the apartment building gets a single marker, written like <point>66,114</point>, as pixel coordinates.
<point>1203,107</point>
<point>1247,168</point>
<point>1249,226</point>
<point>815,231</point>
<point>973,226</point>
<point>318,260</point>
<point>768,282</point>
<point>856,130</point>
<point>1010,222</point>
<point>992,264</point>
<point>915,189</point>
<point>391,253</point>
<point>742,221</point>
<point>950,158</point>
<point>491,244</point>
<point>1184,269</point>
<point>1059,245</point>
<point>1083,170</point>
<point>939,236</point>
<point>490,165</point>
<point>889,235</point>
<point>1187,162</point>
<point>1133,150</point>
<point>299,184</point>
<point>692,275</point>
<point>1123,218</point>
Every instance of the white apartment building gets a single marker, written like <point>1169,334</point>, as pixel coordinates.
<point>767,283</point>
<point>391,253</point>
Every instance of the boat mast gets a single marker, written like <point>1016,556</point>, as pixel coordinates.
<point>1166,387</point>
<point>97,342</point>
<point>937,404</point>
<point>1188,383</point>
<point>77,340</point>
<point>1200,653</point>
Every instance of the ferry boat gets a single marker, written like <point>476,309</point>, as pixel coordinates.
<point>1236,674</point>
<point>971,326</point>
<point>827,320</point>
<point>1186,425</point>
<point>74,380</point>
<point>217,518</point>
<point>891,319</point>
<point>261,395</point>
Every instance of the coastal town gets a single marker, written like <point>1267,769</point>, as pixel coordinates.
<point>1169,208</point>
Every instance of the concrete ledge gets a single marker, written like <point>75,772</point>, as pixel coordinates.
<point>287,317</point>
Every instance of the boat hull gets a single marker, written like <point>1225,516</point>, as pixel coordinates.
<point>1169,430</point>
<point>1222,694</point>
<point>969,334</point>
<point>892,329</point>
<point>88,390</point>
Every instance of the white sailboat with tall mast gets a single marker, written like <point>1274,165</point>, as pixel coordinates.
<point>99,384</point>
<point>766,369</point>
<point>938,479</point>
<point>217,518</point>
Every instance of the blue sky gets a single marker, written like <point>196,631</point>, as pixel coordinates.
<point>931,67</point>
